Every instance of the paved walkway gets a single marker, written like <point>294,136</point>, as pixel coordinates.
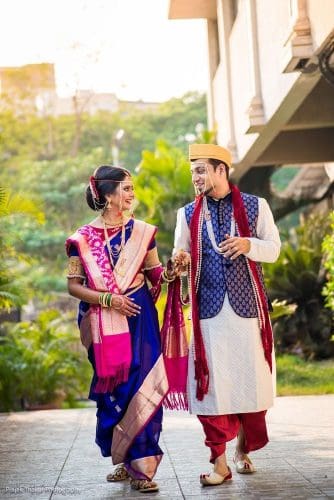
<point>52,455</point>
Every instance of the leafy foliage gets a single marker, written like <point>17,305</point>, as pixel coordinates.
<point>35,158</point>
<point>281,308</point>
<point>12,208</point>
<point>298,278</point>
<point>328,248</point>
<point>163,185</point>
<point>39,361</point>
<point>49,138</point>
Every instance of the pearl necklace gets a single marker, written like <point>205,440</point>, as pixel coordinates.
<point>208,222</point>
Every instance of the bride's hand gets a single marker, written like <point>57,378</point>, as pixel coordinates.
<point>125,305</point>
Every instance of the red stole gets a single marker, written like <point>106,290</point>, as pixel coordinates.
<point>242,226</point>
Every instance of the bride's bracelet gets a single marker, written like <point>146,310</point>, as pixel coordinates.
<point>167,278</point>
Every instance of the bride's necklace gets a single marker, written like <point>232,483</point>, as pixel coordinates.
<point>106,237</point>
<point>109,224</point>
<point>209,227</point>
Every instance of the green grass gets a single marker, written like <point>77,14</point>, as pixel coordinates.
<point>296,377</point>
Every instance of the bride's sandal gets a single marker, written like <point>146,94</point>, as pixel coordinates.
<point>119,474</point>
<point>144,485</point>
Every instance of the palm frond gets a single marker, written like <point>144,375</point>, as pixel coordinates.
<point>14,204</point>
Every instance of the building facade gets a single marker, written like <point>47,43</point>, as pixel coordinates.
<point>271,74</point>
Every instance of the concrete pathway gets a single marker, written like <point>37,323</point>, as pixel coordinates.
<point>52,455</point>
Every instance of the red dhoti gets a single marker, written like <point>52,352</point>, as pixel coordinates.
<point>219,429</point>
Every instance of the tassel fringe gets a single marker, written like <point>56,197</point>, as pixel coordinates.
<point>108,384</point>
<point>176,401</point>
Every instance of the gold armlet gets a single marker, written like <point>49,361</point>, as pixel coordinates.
<point>75,268</point>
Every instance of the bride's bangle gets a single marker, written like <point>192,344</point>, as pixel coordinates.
<point>105,299</point>
<point>167,278</point>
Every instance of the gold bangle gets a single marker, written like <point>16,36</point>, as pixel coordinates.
<point>166,278</point>
<point>105,299</point>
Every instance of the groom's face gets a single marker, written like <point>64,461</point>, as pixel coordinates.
<point>206,177</point>
<point>201,172</point>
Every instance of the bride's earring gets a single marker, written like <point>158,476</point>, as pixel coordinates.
<point>120,200</point>
<point>107,205</point>
<point>133,207</point>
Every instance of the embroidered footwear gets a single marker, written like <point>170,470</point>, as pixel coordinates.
<point>213,479</point>
<point>144,485</point>
<point>244,466</point>
<point>119,474</point>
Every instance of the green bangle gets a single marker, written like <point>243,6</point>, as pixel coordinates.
<point>105,299</point>
<point>108,299</point>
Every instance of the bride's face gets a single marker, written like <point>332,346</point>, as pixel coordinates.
<point>123,197</point>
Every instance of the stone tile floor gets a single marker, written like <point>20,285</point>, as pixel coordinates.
<point>52,455</point>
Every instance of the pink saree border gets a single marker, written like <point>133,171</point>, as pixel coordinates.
<point>141,236</point>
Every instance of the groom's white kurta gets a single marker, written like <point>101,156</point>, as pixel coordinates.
<point>240,377</point>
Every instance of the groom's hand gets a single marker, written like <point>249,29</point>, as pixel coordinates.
<point>181,261</point>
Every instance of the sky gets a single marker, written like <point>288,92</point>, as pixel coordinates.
<point>127,47</point>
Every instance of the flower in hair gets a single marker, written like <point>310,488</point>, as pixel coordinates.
<point>92,186</point>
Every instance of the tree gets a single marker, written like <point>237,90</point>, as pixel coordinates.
<point>163,184</point>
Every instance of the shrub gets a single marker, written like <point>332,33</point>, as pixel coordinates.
<point>40,363</point>
<point>328,248</point>
<point>298,277</point>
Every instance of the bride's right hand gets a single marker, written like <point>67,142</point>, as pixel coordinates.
<point>125,305</point>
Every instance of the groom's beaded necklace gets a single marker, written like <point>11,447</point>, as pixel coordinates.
<point>209,227</point>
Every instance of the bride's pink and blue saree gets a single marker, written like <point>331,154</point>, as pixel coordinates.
<point>129,381</point>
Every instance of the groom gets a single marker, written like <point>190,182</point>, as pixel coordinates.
<point>225,235</point>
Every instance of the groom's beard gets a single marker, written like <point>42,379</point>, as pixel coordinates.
<point>204,192</point>
<point>207,191</point>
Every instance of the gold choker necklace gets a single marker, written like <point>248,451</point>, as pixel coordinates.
<point>116,224</point>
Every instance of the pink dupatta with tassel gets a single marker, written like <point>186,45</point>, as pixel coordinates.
<point>175,349</point>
